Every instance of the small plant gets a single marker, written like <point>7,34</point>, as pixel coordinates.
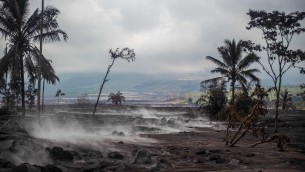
<point>83,99</point>
<point>189,101</point>
<point>59,94</point>
<point>31,93</point>
<point>11,97</point>
<point>117,98</point>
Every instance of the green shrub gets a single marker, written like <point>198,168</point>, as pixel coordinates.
<point>214,100</point>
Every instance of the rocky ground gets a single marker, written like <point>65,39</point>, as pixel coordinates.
<point>146,139</point>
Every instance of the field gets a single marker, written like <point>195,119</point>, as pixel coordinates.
<point>129,138</point>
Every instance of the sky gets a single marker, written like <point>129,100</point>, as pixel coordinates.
<point>168,36</point>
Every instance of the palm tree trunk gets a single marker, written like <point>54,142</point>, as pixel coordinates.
<point>39,61</point>
<point>233,92</point>
<point>42,98</point>
<point>22,86</point>
<point>7,98</point>
<point>101,88</point>
<point>6,73</point>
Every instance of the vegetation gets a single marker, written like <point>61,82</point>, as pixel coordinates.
<point>117,98</point>
<point>30,93</point>
<point>11,96</point>
<point>125,54</point>
<point>241,125</point>
<point>244,103</point>
<point>286,100</point>
<point>278,31</point>
<point>21,30</point>
<point>59,94</point>
<point>244,124</point>
<point>232,66</point>
<point>215,99</point>
<point>83,99</point>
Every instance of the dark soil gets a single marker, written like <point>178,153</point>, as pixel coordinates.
<point>148,147</point>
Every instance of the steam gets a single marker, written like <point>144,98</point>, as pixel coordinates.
<point>86,134</point>
<point>77,129</point>
<point>85,130</point>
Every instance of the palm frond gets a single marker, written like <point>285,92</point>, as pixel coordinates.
<point>239,51</point>
<point>30,67</point>
<point>250,74</point>
<point>47,71</point>
<point>213,80</point>
<point>216,61</point>
<point>52,36</point>
<point>225,55</point>
<point>222,71</point>
<point>247,61</point>
<point>241,79</point>
<point>32,26</point>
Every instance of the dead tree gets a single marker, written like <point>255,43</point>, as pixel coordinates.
<point>125,53</point>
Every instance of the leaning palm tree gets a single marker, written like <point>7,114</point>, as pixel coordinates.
<point>21,30</point>
<point>232,66</point>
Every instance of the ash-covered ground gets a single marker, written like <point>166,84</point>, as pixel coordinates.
<point>68,138</point>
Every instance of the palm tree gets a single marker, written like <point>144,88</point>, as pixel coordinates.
<point>116,98</point>
<point>286,100</point>
<point>232,66</point>
<point>48,74</point>
<point>59,94</point>
<point>21,30</point>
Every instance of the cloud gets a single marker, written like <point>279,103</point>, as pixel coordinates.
<point>168,36</point>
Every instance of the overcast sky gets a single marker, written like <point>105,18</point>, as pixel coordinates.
<point>168,36</point>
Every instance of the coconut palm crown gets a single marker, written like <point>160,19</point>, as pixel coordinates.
<point>21,30</point>
<point>117,98</point>
<point>232,66</point>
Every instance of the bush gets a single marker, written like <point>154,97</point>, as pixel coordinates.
<point>214,101</point>
<point>222,115</point>
<point>243,104</point>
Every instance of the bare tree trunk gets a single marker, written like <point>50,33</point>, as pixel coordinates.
<point>278,90</point>
<point>101,88</point>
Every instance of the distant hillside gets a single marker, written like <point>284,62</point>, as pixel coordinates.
<point>89,83</point>
<point>77,84</point>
